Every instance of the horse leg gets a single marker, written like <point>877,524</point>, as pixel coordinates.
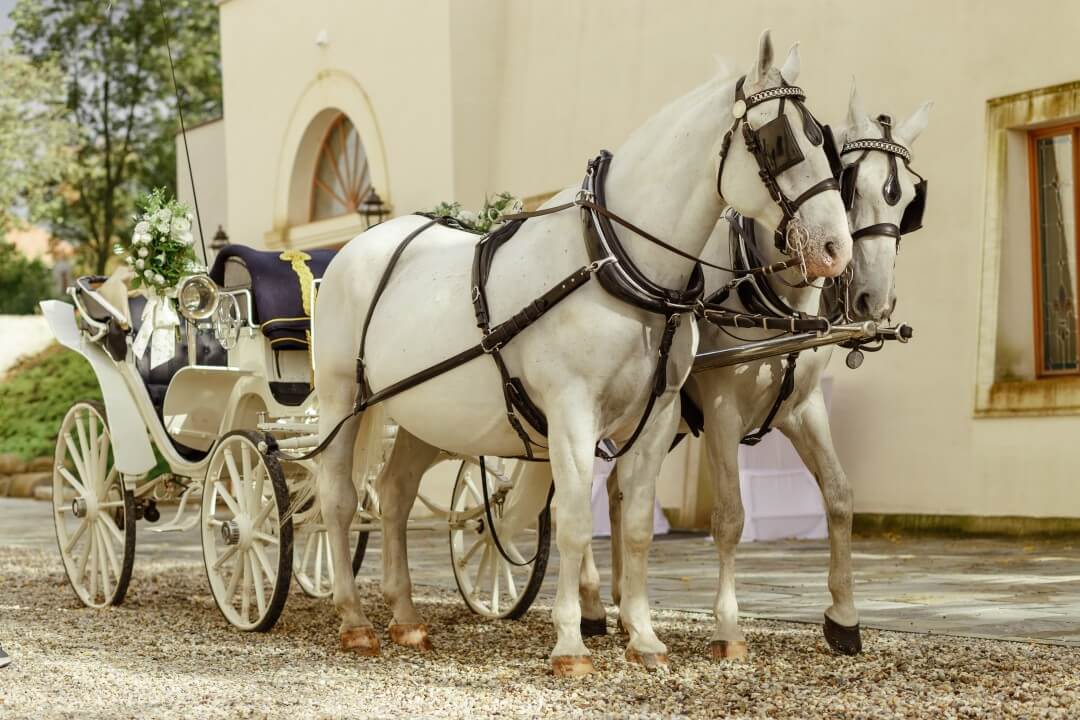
<point>398,484</point>
<point>808,431</point>
<point>593,612</point>
<point>728,641</point>
<point>572,441</point>
<point>337,496</point>
<point>637,483</point>
<point>615,517</point>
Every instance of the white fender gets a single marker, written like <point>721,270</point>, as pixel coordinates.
<point>132,451</point>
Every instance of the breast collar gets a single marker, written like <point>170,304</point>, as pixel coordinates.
<point>755,292</point>
<point>617,272</point>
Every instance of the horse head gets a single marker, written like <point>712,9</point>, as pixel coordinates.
<point>777,165</point>
<point>885,199</point>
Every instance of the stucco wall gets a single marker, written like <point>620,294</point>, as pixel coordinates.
<point>475,97</point>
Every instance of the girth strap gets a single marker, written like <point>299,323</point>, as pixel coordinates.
<point>787,386</point>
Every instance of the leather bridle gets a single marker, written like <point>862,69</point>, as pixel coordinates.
<point>912,218</point>
<point>775,149</point>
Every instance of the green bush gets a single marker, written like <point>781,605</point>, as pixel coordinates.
<point>23,282</point>
<point>35,395</point>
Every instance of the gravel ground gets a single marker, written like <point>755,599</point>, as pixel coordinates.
<point>167,652</point>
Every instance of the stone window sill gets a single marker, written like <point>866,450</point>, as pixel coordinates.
<point>1048,396</point>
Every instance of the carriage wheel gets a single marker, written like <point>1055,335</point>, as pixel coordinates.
<point>93,513</point>
<point>312,566</point>
<point>488,584</point>
<point>247,549</point>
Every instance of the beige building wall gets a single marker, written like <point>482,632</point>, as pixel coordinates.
<point>458,98</point>
<point>206,143</point>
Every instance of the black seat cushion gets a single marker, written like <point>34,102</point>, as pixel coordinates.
<point>275,288</point>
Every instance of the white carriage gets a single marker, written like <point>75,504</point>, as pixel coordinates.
<point>225,421</point>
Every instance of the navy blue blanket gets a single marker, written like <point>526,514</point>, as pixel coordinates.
<point>276,290</point>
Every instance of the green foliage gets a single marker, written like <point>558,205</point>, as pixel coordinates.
<point>37,138</point>
<point>119,92</point>
<point>35,396</point>
<point>494,208</point>
<point>23,282</point>
<point>161,249</point>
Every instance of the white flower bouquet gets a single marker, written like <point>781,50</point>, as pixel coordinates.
<point>162,246</point>
<point>494,208</point>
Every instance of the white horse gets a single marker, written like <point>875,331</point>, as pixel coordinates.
<point>736,400</point>
<point>588,363</point>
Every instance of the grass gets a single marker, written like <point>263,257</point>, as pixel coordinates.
<point>35,395</point>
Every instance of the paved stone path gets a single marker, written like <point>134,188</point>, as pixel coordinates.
<point>1000,589</point>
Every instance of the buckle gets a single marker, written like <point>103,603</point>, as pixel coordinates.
<point>584,195</point>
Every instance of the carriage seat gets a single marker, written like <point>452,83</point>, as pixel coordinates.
<point>280,285</point>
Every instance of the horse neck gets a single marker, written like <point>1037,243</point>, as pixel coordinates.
<point>806,299</point>
<point>661,180</point>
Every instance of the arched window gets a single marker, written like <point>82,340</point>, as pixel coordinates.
<point>342,177</point>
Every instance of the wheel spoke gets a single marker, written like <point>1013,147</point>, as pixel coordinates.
<point>266,538</point>
<point>109,480</point>
<point>260,594</point>
<point>511,587</point>
<point>264,561</point>
<point>230,590</point>
<point>260,482</point>
<point>110,551</point>
<point>225,556</point>
<point>477,544</point>
<point>512,551</point>
<point>76,535</point>
<point>245,596</point>
<point>84,455</point>
<point>101,562</point>
<point>248,502</point>
<point>495,562</point>
<point>76,460</point>
<point>91,457</point>
<point>103,463</point>
<point>112,526</point>
<point>78,486</point>
<point>220,486</point>
<point>85,556</point>
<point>481,571</point>
<point>473,490</point>
<point>318,564</point>
<point>237,482</point>
<point>92,567</point>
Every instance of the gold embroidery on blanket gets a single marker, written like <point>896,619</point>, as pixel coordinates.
<point>298,260</point>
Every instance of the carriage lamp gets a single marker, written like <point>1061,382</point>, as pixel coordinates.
<point>372,209</point>
<point>197,297</point>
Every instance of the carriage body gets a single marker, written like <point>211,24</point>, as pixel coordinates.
<point>231,418</point>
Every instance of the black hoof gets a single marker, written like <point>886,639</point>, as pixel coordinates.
<point>593,628</point>
<point>842,639</point>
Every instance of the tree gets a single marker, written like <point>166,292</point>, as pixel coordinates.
<point>23,282</point>
<point>37,139</point>
<point>119,91</point>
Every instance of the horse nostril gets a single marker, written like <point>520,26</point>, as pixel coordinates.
<point>830,248</point>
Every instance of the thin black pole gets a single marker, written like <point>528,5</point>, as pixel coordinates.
<point>183,132</point>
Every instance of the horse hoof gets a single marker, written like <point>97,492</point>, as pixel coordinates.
<point>572,665</point>
<point>841,638</point>
<point>411,635</point>
<point>593,628</point>
<point>649,661</point>
<point>728,649</point>
<point>360,640</point>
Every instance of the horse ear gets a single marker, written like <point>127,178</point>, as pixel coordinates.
<point>760,71</point>
<point>913,127</point>
<point>857,119</point>
<point>792,65</point>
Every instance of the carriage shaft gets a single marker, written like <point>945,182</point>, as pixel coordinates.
<point>775,347</point>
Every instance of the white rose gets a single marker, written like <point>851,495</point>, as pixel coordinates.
<point>143,252</point>
<point>160,258</point>
<point>467,217</point>
<point>180,225</point>
<point>140,264</point>
<point>130,260</point>
<point>158,279</point>
<point>163,215</point>
<point>142,228</point>
<point>139,238</point>
<point>187,238</point>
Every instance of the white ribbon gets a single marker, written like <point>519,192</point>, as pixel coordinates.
<point>158,329</point>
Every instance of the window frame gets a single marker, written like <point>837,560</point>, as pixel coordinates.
<point>325,147</point>
<point>1072,129</point>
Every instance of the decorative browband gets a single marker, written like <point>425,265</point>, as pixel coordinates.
<point>774,93</point>
<point>883,145</point>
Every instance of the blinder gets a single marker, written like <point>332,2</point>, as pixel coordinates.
<point>912,219</point>
<point>775,149</point>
